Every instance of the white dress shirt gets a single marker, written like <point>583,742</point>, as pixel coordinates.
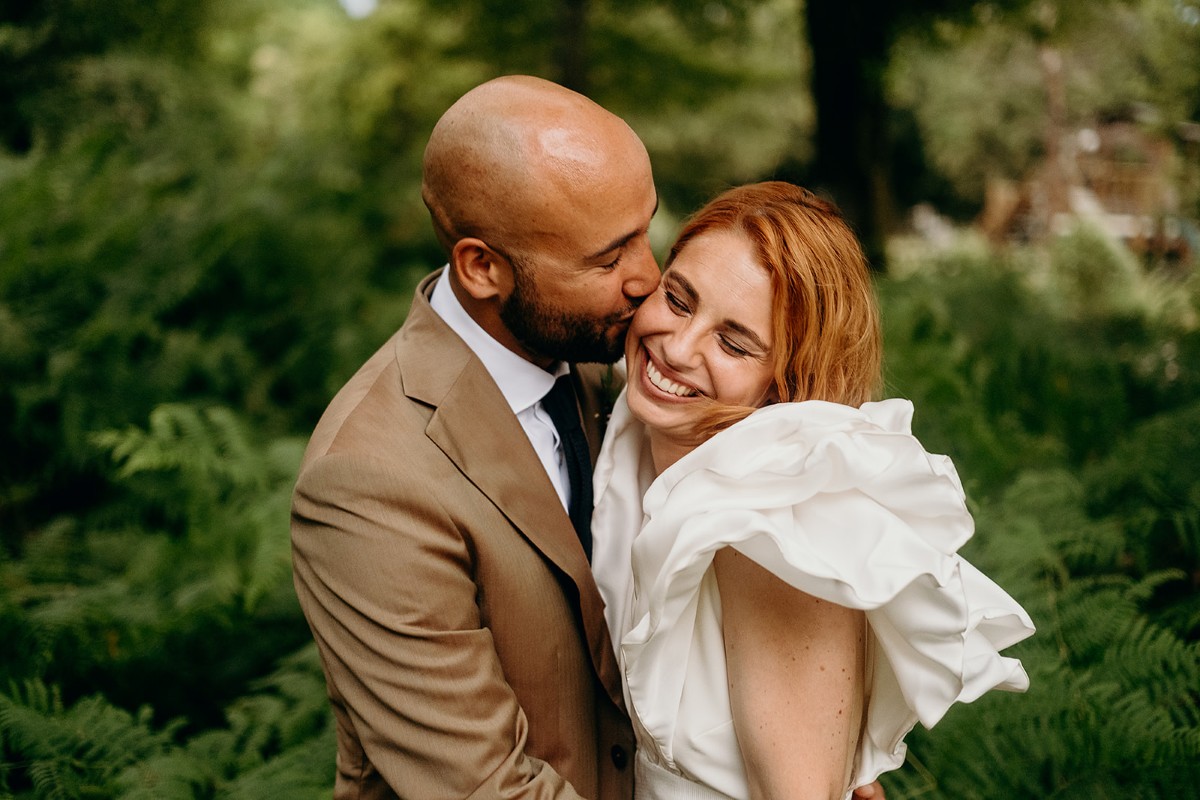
<point>522,383</point>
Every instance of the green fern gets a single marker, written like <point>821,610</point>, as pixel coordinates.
<point>1113,709</point>
<point>303,771</point>
<point>278,742</point>
<point>1126,717</point>
<point>230,496</point>
<point>75,752</point>
<point>1151,485</point>
<point>156,616</point>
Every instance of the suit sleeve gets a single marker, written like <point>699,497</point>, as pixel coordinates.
<point>385,579</point>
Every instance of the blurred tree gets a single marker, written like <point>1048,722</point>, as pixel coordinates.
<point>712,88</point>
<point>40,44</point>
<point>999,92</point>
<point>238,229</point>
<point>851,42</point>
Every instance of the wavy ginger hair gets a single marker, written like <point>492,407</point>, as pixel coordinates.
<point>826,335</point>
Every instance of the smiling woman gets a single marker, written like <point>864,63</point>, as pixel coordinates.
<point>766,297</point>
<point>704,335</point>
<point>777,555</point>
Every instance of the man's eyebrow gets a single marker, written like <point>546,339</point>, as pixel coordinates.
<point>621,241</point>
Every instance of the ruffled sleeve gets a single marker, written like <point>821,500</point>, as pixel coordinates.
<point>844,504</point>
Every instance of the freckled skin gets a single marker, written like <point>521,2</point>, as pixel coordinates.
<point>794,666</point>
<point>707,327</point>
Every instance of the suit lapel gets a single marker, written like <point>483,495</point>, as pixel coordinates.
<point>474,427</point>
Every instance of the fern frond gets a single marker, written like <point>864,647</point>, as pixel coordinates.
<point>1112,703</point>
<point>173,775</point>
<point>279,742</point>
<point>231,497</point>
<point>78,751</point>
<point>304,772</point>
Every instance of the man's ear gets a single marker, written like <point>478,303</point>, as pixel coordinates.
<point>480,270</point>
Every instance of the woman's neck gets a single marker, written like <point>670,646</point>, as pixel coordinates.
<point>665,451</point>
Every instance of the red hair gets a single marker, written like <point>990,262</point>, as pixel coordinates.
<point>825,320</point>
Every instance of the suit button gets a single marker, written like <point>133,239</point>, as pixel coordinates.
<point>619,757</point>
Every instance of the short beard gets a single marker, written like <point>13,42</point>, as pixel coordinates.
<point>554,333</point>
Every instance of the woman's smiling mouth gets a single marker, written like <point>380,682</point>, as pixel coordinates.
<point>666,384</point>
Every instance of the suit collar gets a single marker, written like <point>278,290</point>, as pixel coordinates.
<point>522,382</point>
<point>474,427</point>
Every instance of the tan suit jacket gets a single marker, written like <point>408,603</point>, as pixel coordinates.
<point>461,632</point>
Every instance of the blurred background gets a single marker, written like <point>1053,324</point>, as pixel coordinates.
<point>209,216</point>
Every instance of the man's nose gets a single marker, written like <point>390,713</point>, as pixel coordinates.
<point>642,273</point>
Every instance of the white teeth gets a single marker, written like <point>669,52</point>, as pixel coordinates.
<point>666,385</point>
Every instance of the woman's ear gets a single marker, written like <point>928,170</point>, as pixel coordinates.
<point>480,270</point>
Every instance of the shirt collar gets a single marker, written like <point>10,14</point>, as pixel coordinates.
<point>521,382</point>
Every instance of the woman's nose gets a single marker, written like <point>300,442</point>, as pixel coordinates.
<point>681,348</point>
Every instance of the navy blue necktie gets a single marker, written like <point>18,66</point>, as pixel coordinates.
<point>560,404</point>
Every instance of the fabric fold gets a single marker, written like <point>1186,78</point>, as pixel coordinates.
<point>843,503</point>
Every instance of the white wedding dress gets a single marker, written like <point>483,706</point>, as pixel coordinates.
<point>844,504</point>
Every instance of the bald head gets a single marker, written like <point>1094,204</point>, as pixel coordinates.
<point>507,160</point>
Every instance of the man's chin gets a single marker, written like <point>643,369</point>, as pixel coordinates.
<point>596,356</point>
<point>575,353</point>
<point>597,346</point>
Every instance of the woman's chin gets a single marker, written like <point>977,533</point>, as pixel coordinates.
<point>662,414</point>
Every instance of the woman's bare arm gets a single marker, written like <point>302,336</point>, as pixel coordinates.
<point>795,667</point>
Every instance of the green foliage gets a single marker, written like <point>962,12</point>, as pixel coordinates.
<point>1033,357</point>
<point>209,215</point>
<point>738,71</point>
<point>1112,706</point>
<point>977,90</point>
<point>228,497</point>
<point>277,742</point>
<point>189,592</point>
<point>1064,384</point>
<point>175,247</point>
<point>76,752</point>
<point>39,42</point>
<point>714,89</point>
<point>1150,484</point>
<point>1090,273</point>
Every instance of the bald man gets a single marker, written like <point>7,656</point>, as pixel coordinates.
<point>462,635</point>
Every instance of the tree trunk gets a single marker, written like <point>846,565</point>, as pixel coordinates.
<point>571,52</point>
<point>849,43</point>
<point>1056,180</point>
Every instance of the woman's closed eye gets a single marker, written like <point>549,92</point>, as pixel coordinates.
<point>733,348</point>
<point>677,303</point>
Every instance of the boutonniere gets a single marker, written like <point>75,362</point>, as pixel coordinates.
<point>611,383</point>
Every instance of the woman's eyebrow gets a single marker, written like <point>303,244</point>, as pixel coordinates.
<point>682,284</point>
<point>742,330</point>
